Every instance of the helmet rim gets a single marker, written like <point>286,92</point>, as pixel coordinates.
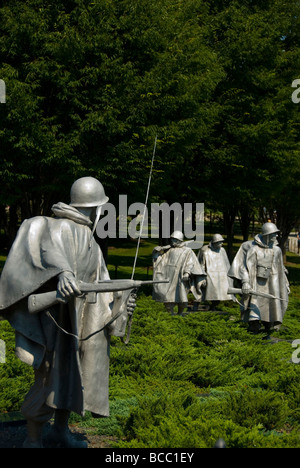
<point>268,229</point>
<point>177,235</point>
<point>87,192</point>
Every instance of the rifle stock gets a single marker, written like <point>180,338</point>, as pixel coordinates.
<point>42,301</point>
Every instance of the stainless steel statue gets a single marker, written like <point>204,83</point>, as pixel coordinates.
<point>68,343</point>
<point>178,264</point>
<point>214,261</point>
<point>259,271</point>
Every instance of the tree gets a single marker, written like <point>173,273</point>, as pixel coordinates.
<point>90,84</point>
<point>255,135</point>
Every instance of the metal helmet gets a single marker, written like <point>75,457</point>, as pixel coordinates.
<point>217,238</point>
<point>269,228</point>
<point>87,192</point>
<point>177,235</point>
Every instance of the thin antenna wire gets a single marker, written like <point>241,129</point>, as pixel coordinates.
<point>145,208</point>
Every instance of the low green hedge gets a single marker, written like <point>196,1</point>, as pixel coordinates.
<point>184,382</point>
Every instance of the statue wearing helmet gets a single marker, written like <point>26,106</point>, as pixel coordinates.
<point>56,253</point>
<point>214,261</point>
<point>87,195</point>
<point>87,192</point>
<point>258,266</point>
<point>177,263</point>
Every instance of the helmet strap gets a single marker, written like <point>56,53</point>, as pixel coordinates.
<point>98,214</point>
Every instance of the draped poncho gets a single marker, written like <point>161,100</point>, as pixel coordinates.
<point>245,268</point>
<point>44,248</point>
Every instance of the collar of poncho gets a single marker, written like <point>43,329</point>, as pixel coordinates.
<point>258,240</point>
<point>62,210</point>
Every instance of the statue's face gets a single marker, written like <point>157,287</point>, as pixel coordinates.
<point>91,212</point>
<point>217,245</point>
<point>174,242</point>
<point>273,238</point>
<point>270,239</point>
<point>85,211</point>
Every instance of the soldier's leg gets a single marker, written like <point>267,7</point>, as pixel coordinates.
<point>268,326</point>
<point>181,307</point>
<point>60,435</point>
<point>254,326</point>
<point>35,411</point>
<point>170,307</point>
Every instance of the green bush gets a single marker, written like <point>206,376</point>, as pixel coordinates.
<point>251,386</point>
<point>109,426</point>
<point>177,420</point>
<point>16,377</point>
<point>184,382</point>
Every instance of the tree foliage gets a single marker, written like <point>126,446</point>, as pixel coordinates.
<point>184,382</point>
<point>253,153</point>
<point>90,84</point>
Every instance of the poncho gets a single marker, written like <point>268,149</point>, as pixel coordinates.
<point>45,247</point>
<point>172,264</point>
<point>246,267</point>
<point>216,266</point>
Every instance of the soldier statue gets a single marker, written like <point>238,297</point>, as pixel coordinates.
<point>177,263</point>
<point>71,372</point>
<point>259,270</point>
<point>214,261</point>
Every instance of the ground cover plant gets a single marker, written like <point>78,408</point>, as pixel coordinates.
<point>184,382</point>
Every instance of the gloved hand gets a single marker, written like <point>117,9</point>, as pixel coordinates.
<point>67,285</point>
<point>201,284</point>
<point>186,277</point>
<point>131,304</point>
<point>246,288</point>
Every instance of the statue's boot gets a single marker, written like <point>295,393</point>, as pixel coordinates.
<point>254,327</point>
<point>34,435</point>
<point>268,329</point>
<point>181,308</point>
<point>170,307</point>
<point>60,434</point>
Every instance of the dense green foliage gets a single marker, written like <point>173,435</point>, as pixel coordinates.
<point>16,378</point>
<point>209,378</point>
<point>90,84</point>
<point>183,382</point>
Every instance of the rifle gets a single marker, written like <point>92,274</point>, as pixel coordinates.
<point>254,293</point>
<point>42,301</point>
<point>161,248</point>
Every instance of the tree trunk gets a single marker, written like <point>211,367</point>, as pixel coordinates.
<point>13,224</point>
<point>285,224</point>
<point>245,216</point>
<point>229,218</point>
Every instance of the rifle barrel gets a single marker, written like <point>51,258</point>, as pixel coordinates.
<point>39,302</point>
<point>254,293</point>
<point>114,285</point>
